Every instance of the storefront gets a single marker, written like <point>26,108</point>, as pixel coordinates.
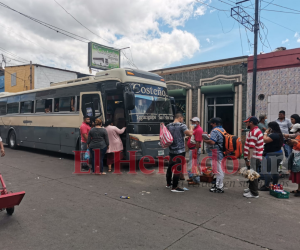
<point>212,89</point>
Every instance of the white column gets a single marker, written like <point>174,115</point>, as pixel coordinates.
<point>240,110</point>
<point>190,105</point>
<point>235,132</point>
<point>199,104</point>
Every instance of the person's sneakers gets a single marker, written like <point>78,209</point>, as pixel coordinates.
<point>264,188</point>
<point>219,190</point>
<point>250,195</point>
<point>247,190</point>
<point>213,189</point>
<point>168,186</point>
<point>177,190</point>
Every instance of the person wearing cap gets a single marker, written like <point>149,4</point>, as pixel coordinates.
<point>285,125</point>
<point>216,153</point>
<point>194,145</point>
<point>178,131</point>
<point>253,148</point>
<point>294,168</point>
<point>84,132</point>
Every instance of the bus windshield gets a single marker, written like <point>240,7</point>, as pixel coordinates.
<point>151,108</point>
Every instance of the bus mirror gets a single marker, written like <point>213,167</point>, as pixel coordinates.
<point>174,109</point>
<point>129,100</point>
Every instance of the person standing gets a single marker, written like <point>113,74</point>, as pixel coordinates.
<point>253,148</point>
<point>177,149</point>
<point>2,147</point>
<point>84,131</point>
<point>98,141</point>
<point>263,126</point>
<point>285,125</point>
<point>294,165</point>
<point>116,144</point>
<point>216,140</point>
<point>273,140</point>
<point>194,145</point>
<point>295,119</point>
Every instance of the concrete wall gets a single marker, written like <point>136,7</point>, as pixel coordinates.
<point>274,83</point>
<point>44,76</point>
<point>288,103</point>
<point>23,78</point>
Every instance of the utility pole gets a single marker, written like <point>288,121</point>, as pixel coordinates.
<point>256,29</point>
<point>253,25</point>
<point>30,75</point>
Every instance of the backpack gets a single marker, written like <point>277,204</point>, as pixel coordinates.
<point>231,144</point>
<point>166,138</point>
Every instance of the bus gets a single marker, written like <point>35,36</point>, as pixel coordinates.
<point>50,118</point>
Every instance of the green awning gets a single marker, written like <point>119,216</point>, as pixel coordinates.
<point>177,92</point>
<point>212,89</point>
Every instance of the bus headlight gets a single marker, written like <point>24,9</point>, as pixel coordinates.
<point>134,143</point>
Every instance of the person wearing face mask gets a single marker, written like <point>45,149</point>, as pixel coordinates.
<point>178,131</point>
<point>194,145</point>
<point>295,119</point>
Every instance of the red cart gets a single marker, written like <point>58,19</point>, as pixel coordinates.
<point>9,200</point>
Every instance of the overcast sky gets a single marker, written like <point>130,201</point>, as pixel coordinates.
<point>161,33</point>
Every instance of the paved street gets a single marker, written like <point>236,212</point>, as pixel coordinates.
<point>65,211</point>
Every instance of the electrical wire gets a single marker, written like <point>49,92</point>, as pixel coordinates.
<point>12,54</point>
<point>14,59</point>
<point>268,4</point>
<point>80,22</point>
<point>52,27</point>
<point>211,6</point>
<point>222,25</point>
<point>279,5</point>
<point>132,58</point>
<point>278,24</point>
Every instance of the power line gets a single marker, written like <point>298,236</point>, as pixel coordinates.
<point>210,6</point>
<point>12,54</point>
<point>268,4</point>
<point>279,5</point>
<point>278,24</point>
<point>52,27</point>
<point>222,25</point>
<point>13,59</point>
<point>132,58</point>
<point>80,22</point>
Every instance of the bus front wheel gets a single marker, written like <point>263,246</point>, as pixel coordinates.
<point>12,140</point>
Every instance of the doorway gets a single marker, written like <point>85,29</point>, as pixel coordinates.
<point>222,107</point>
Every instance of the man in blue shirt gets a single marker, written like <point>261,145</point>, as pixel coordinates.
<point>178,130</point>
<point>215,151</point>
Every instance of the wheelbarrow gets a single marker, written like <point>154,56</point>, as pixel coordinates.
<point>9,200</point>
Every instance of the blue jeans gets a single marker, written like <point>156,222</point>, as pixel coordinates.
<point>102,154</point>
<point>190,165</point>
<point>268,168</point>
<point>287,150</point>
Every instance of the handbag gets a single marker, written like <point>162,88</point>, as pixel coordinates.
<point>166,138</point>
<point>296,163</point>
<point>87,155</point>
<point>193,141</point>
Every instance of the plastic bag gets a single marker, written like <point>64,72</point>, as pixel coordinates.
<point>166,139</point>
<point>87,155</point>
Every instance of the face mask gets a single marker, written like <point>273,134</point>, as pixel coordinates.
<point>266,120</point>
<point>248,127</point>
<point>194,125</point>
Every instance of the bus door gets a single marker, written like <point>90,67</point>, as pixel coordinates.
<point>91,105</point>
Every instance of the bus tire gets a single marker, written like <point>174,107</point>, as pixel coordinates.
<point>12,140</point>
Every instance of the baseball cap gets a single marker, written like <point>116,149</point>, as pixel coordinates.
<point>252,119</point>
<point>195,119</point>
<point>216,120</point>
<point>295,128</point>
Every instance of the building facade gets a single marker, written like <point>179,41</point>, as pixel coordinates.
<point>278,81</point>
<point>1,80</point>
<point>35,76</point>
<point>210,89</point>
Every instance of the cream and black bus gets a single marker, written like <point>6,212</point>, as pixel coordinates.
<point>50,118</point>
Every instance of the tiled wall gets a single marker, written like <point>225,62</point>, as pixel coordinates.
<point>273,83</point>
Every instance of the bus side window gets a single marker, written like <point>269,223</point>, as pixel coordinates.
<point>27,107</point>
<point>2,108</point>
<point>13,108</point>
<point>56,105</point>
<point>43,106</point>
